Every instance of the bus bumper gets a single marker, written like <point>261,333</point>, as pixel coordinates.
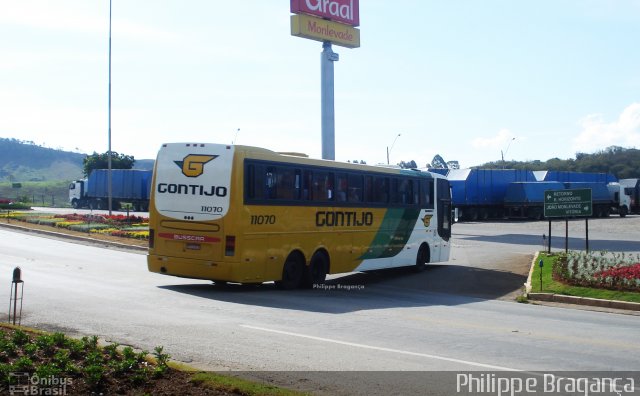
<point>191,268</point>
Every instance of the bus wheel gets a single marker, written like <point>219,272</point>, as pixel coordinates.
<point>423,258</point>
<point>292,272</point>
<point>316,273</point>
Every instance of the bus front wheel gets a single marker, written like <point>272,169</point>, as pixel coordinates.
<point>292,272</point>
<point>423,258</point>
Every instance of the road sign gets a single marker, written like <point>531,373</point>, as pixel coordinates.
<point>568,203</point>
<point>322,30</point>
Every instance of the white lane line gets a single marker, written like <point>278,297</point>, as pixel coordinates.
<point>352,344</point>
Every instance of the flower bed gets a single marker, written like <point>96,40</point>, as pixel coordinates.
<point>136,227</point>
<point>614,271</point>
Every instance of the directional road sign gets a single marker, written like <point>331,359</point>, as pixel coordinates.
<point>568,203</point>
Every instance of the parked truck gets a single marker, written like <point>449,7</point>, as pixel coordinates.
<point>526,200</point>
<point>127,186</point>
<point>632,189</point>
<point>603,203</point>
<point>620,199</point>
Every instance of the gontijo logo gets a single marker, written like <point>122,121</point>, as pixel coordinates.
<point>193,164</point>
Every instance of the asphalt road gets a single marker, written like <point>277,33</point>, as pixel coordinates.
<point>457,316</point>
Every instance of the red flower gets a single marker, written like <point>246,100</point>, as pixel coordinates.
<point>628,272</point>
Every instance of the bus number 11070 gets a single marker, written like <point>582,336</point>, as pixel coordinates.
<point>263,219</point>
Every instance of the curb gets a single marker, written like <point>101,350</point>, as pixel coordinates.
<point>92,241</point>
<point>562,298</point>
<point>593,302</point>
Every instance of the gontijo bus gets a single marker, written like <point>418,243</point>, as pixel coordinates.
<point>244,214</point>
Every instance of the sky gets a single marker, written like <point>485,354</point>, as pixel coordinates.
<point>473,81</point>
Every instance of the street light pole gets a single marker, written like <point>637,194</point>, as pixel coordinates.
<point>235,136</point>
<point>389,149</point>
<point>109,181</point>
<point>505,152</point>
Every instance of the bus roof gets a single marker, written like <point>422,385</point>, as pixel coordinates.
<point>296,158</point>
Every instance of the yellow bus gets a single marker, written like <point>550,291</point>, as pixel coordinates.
<point>240,214</point>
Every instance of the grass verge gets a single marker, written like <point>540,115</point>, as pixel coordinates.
<point>549,285</point>
<point>240,386</point>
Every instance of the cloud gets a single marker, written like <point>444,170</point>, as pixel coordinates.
<point>597,134</point>
<point>78,17</point>
<point>503,138</point>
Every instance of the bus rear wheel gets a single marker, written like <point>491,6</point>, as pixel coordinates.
<point>316,273</point>
<point>292,272</point>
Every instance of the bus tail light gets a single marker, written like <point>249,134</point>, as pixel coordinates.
<point>230,245</point>
<point>151,238</point>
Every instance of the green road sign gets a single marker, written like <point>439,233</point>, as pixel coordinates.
<point>568,203</point>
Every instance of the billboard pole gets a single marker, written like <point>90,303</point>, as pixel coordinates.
<point>327,57</point>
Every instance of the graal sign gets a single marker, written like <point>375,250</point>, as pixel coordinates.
<point>342,11</point>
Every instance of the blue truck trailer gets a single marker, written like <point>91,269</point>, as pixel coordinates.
<point>575,177</point>
<point>127,186</point>
<point>478,194</point>
<point>525,200</point>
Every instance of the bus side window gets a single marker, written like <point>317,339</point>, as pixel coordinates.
<point>426,193</point>
<point>298,186</point>
<point>394,197</point>
<point>341,187</point>
<point>286,184</point>
<point>251,181</point>
<point>368,189</point>
<point>322,186</point>
<point>270,182</point>
<point>355,188</point>
<point>415,189</point>
<point>380,189</point>
<point>403,190</point>
<point>329,183</point>
<point>306,185</point>
<point>255,182</point>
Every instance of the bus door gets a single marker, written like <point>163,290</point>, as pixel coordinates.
<point>444,209</point>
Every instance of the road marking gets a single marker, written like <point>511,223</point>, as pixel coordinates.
<point>352,344</point>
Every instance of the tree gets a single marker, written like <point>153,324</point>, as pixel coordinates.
<point>438,162</point>
<point>408,165</point>
<point>101,161</point>
<point>453,165</point>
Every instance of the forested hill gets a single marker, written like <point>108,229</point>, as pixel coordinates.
<point>25,161</point>
<point>624,163</point>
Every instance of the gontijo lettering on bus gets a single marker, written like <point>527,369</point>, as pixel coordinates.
<point>192,189</point>
<point>341,219</point>
<point>343,11</point>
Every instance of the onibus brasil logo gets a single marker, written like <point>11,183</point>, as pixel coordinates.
<point>193,164</point>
